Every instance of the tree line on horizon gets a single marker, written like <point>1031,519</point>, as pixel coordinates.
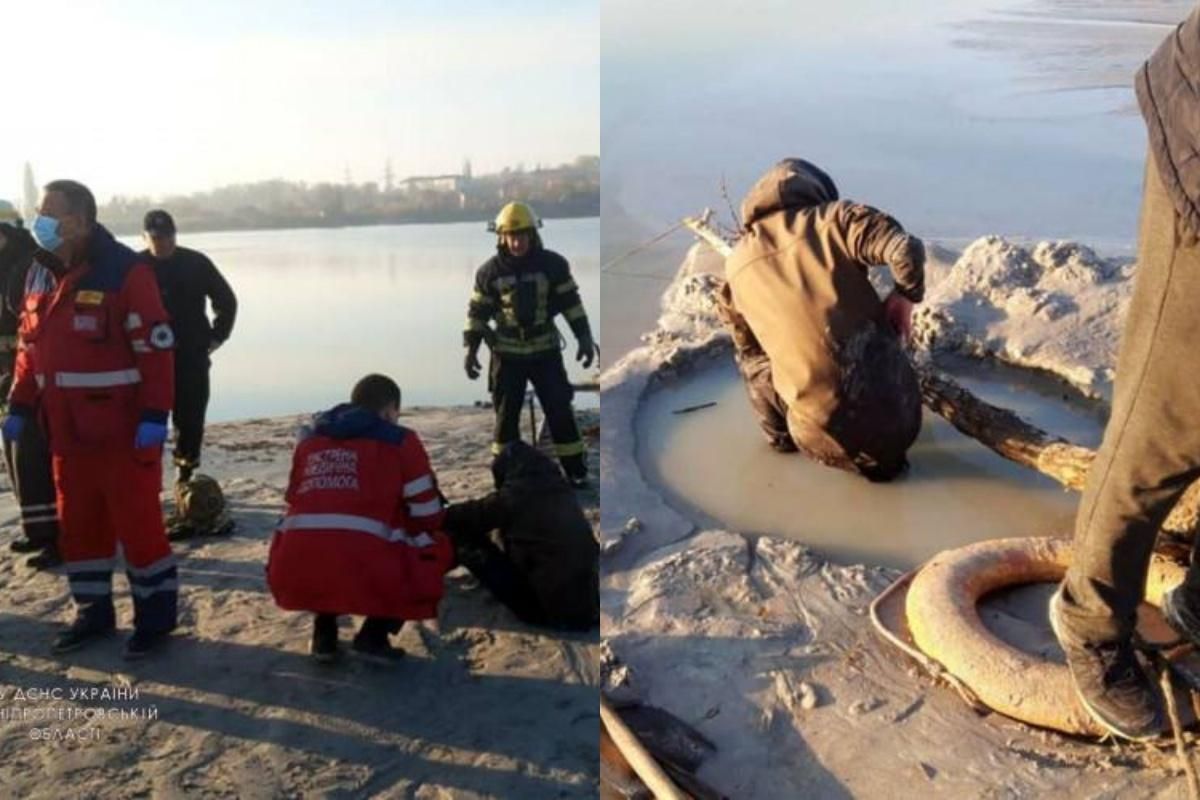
<point>566,190</point>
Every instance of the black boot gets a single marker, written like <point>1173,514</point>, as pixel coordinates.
<point>47,559</point>
<point>372,643</point>
<point>1110,682</point>
<point>91,623</point>
<point>325,638</point>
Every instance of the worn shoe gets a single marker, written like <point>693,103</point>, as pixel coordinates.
<point>47,559</point>
<point>24,545</point>
<point>1179,610</point>
<point>141,644</point>
<point>324,648</point>
<point>80,633</point>
<point>1110,682</point>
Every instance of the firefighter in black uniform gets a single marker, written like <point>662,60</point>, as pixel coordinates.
<point>27,458</point>
<point>521,289</point>
<point>187,279</point>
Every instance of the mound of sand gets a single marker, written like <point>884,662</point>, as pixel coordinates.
<point>483,706</point>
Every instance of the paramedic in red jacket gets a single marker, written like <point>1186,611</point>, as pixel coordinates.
<point>362,533</point>
<point>96,364</point>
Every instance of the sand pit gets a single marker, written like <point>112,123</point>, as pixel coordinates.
<point>766,648</point>
<point>484,706</point>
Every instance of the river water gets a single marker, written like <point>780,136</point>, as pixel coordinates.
<point>319,308</point>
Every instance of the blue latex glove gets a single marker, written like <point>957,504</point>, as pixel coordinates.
<point>150,434</point>
<point>12,427</point>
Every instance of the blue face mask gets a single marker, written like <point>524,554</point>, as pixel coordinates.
<point>45,233</point>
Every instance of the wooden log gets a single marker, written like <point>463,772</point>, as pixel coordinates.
<point>646,768</point>
<point>1004,432</point>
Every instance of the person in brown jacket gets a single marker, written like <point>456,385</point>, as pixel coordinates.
<point>820,352</point>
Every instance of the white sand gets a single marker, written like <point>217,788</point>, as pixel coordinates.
<point>738,635</point>
<point>483,706</point>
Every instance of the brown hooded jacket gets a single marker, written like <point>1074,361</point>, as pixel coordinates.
<point>798,276</point>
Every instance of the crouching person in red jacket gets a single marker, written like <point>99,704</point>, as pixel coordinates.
<point>362,533</point>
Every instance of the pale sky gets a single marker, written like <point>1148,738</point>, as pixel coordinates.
<point>141,97</point>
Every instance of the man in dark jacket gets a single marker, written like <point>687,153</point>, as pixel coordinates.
<point>188,280</point>
<point>545,570</point>
<point>28,457</point>
<point>522,289</point>
<point>819,350</point>
<point>1151,448</point>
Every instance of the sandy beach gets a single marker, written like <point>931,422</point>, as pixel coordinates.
<point>483,706</point>
<point>766,648</point>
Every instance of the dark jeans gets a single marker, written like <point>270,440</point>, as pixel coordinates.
<point>28,462</point>
<point>191,404</point>
<point>1151,448</point>
<point>508,378</point>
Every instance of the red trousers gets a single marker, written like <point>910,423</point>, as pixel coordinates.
<point>106,498</point>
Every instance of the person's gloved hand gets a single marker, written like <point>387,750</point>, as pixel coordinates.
<point>471,364</point>
<point>898,310</point>
<point>587,351</point>
<point>12,426</point>
<point>150,434</point>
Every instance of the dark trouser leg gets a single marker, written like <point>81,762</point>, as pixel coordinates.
<point>500,576</point>
<point>507,383</point>
<point>554,392</point>
<point>765,401</point>
<point>191,404</point>
<point>1151,448</point>
<point>755,369</point>
<point>33,484</point>
<point>325,626</point>
<point>377,629</point>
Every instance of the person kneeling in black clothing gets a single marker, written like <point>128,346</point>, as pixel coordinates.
<point>546,566</point>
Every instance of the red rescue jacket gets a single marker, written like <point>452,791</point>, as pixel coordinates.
<point>362,533</point>
<point>96,351</point>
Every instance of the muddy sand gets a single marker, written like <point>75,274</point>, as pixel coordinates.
<point>766,648</point>
<point>483,706</point>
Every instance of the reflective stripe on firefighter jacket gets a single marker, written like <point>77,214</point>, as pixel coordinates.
<point>515,301</point>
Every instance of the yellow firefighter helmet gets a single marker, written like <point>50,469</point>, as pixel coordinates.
<point>515,216</point>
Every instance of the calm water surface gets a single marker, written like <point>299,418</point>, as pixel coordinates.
<point>319,308</point>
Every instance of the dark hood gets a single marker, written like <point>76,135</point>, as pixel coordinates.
<point>521,464</point>
<point>15,258</point>
<point>791,184</point>
<point>349,421</point>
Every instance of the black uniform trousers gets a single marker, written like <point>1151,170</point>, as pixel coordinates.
<point>28,462</point>
<point>191,404</point>
<point>508,377</point>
